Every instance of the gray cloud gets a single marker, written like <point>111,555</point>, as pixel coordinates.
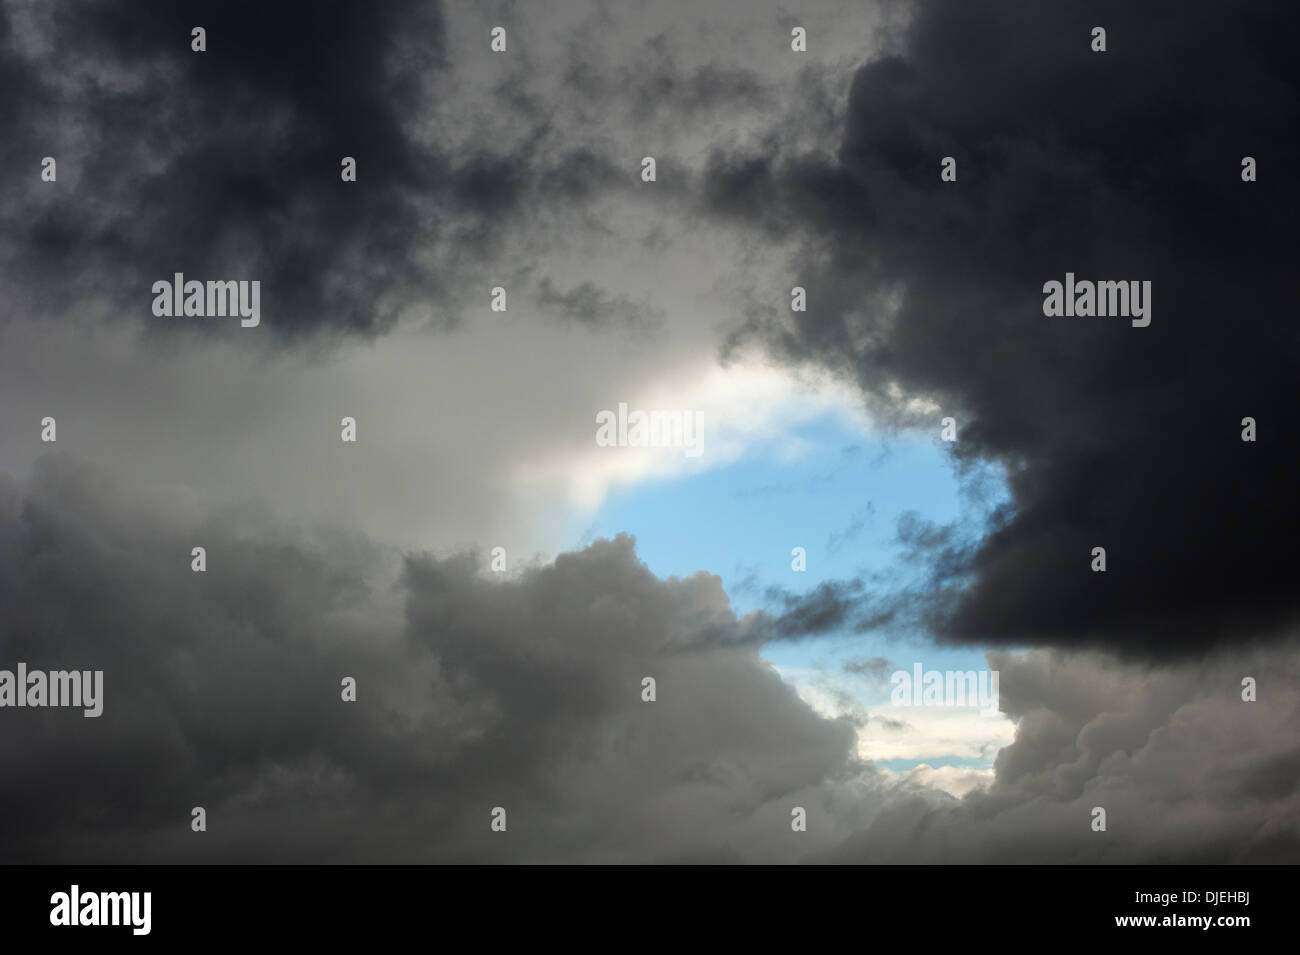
<point>1111,436</point>
<point>226,164</point>
<point>872,666</point>
<point>593,307</point>
<point>1186,771</point>
<point>222,690</point>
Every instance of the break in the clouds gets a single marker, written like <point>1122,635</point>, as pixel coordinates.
<point>523,690</point>
<point>516,171</point>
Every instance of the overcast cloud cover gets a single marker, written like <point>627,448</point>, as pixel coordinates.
<point>774,169</point>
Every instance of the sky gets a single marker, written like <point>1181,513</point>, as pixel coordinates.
<point>841,502</point>
<point>913,469</point>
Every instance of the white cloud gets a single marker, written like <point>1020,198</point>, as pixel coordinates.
<point>887,732</point>
<point>955,780</point>
<point>744,407</point>
<point>933,732</point>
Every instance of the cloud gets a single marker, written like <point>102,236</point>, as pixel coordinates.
<point>928,294</point>
<point>1186,771</point>
<point>226,163</point>
<point>950,779</point>
<point>222,690</point>
<point>873,666</point>
<point>589,305</point>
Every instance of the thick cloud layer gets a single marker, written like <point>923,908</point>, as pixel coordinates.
<point>225,164</point>
<point>222,690</point>
<point>1186,771</point>
<point>1123,165</point>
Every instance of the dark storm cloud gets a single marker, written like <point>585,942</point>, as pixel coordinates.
<point>226,164</point>
<point>222,690</point>
<point>1123,165</point>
